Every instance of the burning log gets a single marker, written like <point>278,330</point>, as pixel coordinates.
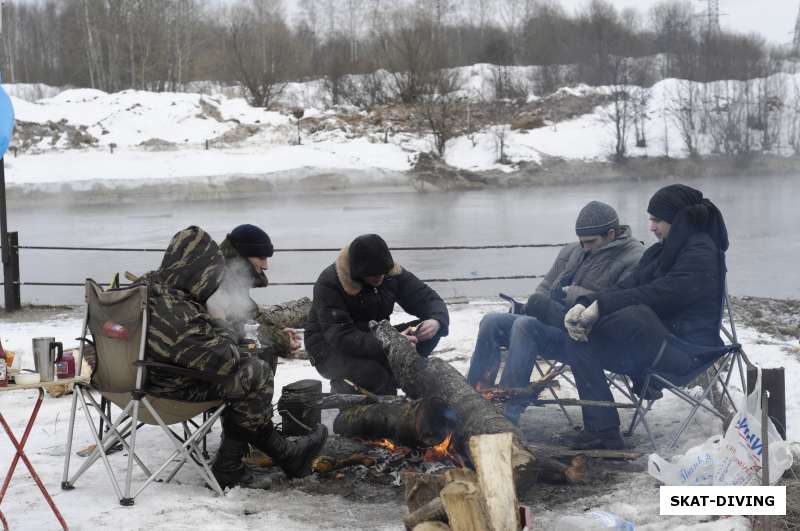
<point>417,423</point>
<point>435,378</point>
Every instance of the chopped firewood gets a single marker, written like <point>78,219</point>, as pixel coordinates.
<point>491,454</point>
<point>417,423</point>
<point>324,463</point>
<point>464,503</point>
<point>432,526</point>
<point>435,378</point>
<point>421,488</point>
<point>431,511</point>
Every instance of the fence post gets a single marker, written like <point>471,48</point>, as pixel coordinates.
<point>11,272</point>
<point>774,382</point>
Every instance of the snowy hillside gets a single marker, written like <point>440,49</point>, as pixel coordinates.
<point>68,137</point>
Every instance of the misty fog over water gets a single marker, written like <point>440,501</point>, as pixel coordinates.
<point>761,214</point>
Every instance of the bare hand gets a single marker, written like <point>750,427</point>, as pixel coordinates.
<point>294,338</point>
<point>408,333</point>
<point>427,329</point>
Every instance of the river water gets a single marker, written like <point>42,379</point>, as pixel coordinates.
<point>761,213</point>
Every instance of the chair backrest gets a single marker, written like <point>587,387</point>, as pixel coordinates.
<point>116,319</point>
<point>117,351</point>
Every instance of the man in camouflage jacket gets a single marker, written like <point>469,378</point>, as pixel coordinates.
<point>182,333</point>
<point>247,250</point>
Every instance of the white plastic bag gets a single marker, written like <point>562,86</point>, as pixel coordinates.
<point>738,460</point>
<point>694,468</point>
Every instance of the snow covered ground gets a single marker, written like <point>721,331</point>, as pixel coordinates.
<point>254,142</point>
<point>189,505</point>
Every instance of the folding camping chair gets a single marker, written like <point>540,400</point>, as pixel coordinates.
<point>120,376</point>
<point>715,361</point>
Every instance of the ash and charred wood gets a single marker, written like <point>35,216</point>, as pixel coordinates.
<point>420,488</point>
<point>342,401</point>
<point>290,314</point>
<point>324,463</point>
<point>433,511</point>
<point>435,378</point>
<point>416,423</point>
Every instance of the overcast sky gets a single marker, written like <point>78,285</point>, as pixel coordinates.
<point>774,19</point>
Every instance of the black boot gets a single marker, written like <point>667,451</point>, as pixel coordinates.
<point>293,455</point>
<point>229,470</point>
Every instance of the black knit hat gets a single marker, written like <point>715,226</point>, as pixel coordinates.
<point>249,240</point>
<point>667,202</point>
<point>369,256</point>
<point>596,218</point>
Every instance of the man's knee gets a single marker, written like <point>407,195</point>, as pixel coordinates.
<point>526,327</point>
<point>492,322</point>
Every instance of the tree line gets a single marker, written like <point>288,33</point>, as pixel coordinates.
<point>161,45</point>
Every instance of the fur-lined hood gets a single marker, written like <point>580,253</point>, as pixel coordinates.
<point>350,285</point>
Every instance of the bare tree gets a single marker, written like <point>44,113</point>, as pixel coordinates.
<point>440,106</point>
<point>619,114</point>
<point>685,110</point>
<point>259,41</point>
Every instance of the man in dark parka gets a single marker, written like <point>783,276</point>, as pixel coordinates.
<point>362,285</point>
<point>677,289</point>
<point>182,333</point>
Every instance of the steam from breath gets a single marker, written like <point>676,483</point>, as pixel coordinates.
<point>232,298</point>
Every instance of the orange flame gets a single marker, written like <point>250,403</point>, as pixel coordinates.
<point>389,445</point>
<point>442,451</point>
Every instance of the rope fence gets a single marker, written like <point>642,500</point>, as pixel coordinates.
<point>13,272</point>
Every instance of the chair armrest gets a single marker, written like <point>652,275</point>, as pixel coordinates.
<point>183,371</point>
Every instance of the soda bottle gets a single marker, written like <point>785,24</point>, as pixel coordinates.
<point>115,330</point>
<point>3,367</point>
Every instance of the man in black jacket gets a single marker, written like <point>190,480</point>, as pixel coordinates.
<point>363,285</point>
<point>677,289</point>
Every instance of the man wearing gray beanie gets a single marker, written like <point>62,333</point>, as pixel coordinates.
<point>604,254</point>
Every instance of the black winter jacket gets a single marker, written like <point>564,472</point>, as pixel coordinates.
<point>687,297</point>
<point>343,307</point>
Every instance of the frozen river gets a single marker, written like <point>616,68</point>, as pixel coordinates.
<point>761,213</point>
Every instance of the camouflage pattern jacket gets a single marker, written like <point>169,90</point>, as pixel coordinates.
<point>180,332</point>
<point>240,277</point>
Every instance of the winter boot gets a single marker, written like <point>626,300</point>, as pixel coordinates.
<point>293,455</point>
<point>229,470</point>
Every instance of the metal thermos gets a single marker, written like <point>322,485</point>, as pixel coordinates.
<point>46,352</point>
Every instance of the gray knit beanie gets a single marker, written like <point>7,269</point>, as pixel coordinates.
<point>596,218</point>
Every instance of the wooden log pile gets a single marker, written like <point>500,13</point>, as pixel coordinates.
<point>466,500</point>
<point>473,415</point>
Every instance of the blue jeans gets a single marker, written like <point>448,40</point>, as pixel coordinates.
<point>525,338</point>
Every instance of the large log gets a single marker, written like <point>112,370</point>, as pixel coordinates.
<point>435,378</point>
<point>414,423</point>
<point>290,314</point>
<point>343,401</point>
<point>464,503</point>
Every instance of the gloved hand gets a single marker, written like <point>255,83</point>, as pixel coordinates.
<point>572,323</point>
<point>427,329</point>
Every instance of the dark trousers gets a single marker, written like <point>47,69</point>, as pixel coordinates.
<point>624,342</point>
<point>373,375</point>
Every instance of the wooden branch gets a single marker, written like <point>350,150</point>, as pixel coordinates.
<point>491,454</point>
<point>342,401</point>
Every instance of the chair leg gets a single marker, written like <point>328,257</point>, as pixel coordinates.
<point>127,500</point>
<point>70,434</point>
<point>552,392</point>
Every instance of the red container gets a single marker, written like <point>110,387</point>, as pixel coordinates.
<point>115,330</point>
<point>65,367</point>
